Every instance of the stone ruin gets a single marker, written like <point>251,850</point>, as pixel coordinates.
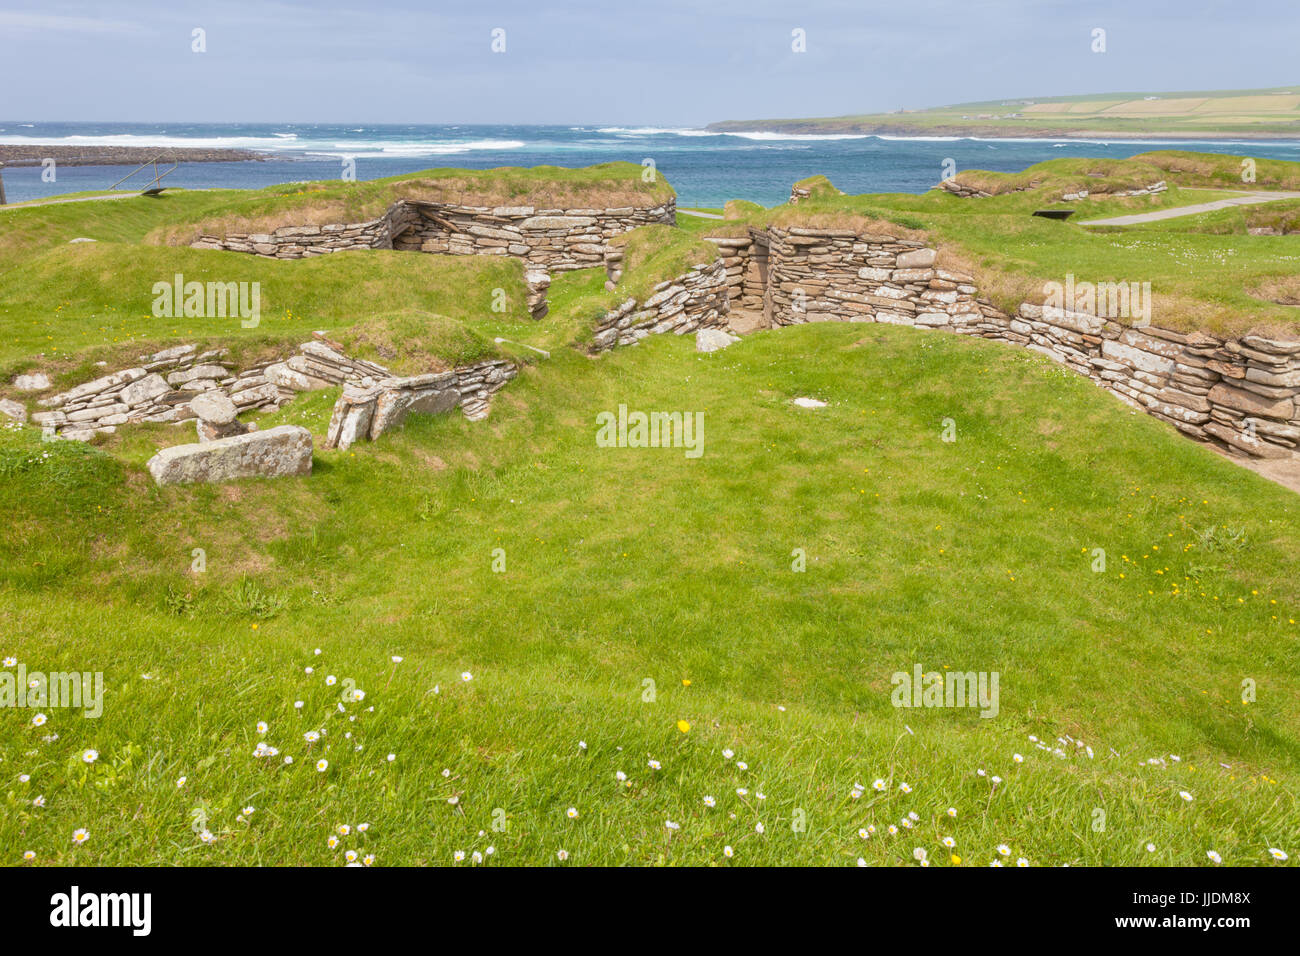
<point>180,384</point>
<point>548,240</point>
<point>1240,394</point>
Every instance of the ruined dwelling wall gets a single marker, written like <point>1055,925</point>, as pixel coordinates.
<point>1243,393</point>
<point>957,188</point>
<point>695,300</point>
<point>554,240</point>
<point>163,387</point>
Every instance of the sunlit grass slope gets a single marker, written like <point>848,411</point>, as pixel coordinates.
<point>647,655</point>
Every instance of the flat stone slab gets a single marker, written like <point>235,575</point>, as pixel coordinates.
<point>34,382</point>
<point>275,453</point>
<point>215,407</point>
<point>710,340</point>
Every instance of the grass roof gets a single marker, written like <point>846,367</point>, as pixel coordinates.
<point>608,185</point>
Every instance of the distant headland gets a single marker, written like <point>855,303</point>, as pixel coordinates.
<point>1205,115</point>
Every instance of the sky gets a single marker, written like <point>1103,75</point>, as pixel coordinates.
<point>664,63</point>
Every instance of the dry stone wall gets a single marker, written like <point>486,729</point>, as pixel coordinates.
<point>683,304</point>
<point>556,240</point>
<point>958,188</point>
<point>1239,393</point>
<point>368,410</point>
<point>166,385</point>
<point>551,239</point>
<point>745,259</point>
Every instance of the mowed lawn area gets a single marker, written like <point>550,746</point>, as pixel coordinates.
<point>644,677</point>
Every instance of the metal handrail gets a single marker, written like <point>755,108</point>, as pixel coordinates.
<point>156,177</point>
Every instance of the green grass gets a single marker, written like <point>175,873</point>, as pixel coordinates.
<point>624,565</point>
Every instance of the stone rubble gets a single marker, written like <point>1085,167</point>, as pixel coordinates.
<point>166,385</point>
<point>369,410</point>
<point>176,385</point>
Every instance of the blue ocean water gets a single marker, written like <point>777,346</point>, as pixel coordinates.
<point>705,168</point>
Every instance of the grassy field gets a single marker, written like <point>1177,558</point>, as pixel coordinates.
<point>1268,113</point>
<point>573,655</point>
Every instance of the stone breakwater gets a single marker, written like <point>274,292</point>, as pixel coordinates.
<point>13,155</point>
<point>552,240</point>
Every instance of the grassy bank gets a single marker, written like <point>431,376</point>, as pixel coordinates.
<point>623,566</point>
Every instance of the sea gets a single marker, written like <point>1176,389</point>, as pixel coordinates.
<point>706,168</point>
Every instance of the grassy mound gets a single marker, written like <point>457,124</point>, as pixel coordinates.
<point>76,304</point>
<point>654,254</point>
<point>1055,177</point>
<point>1223,171</point>
<point>817,187</point>
<point>740,208</point>
<point>641,589</point>
<point>608,185</point>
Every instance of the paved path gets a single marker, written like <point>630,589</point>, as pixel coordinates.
<point>59,202</point>
<point>1241,199</point>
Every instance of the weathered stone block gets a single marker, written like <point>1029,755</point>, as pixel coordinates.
<point>916,259</point>
<point>144,391</point>
<point>214,407</point>
<point>1244,401</point>
<point>274,453</point>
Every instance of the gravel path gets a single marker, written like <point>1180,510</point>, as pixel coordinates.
<point>1243,199</point>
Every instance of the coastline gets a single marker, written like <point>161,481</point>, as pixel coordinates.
<point>34,155</point>
<point>951,131</point>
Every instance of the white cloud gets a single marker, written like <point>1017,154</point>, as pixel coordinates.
<point>15,20</point>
